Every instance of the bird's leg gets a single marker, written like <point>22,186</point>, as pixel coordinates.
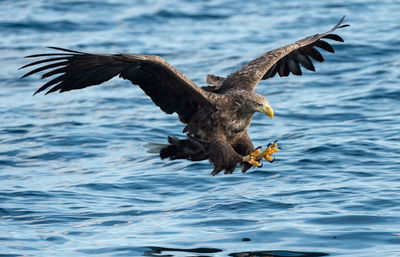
<point>257,156</point>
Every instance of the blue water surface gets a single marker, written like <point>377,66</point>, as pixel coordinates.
<point>77,177</point>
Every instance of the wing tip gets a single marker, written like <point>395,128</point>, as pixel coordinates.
<point>64,49</point>
<point>66,52</point>
<point>339,24</point>
<point>53,89</point>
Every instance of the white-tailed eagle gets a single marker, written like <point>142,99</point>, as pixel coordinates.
<point>216,116</point>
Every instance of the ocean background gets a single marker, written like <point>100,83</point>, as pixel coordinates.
<point>77,177</point>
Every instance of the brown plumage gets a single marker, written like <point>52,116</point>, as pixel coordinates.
<point>217,116</point>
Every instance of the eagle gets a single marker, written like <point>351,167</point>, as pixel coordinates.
<point>217,116</point>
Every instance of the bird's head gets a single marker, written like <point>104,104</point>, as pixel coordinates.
<point>260,104</point>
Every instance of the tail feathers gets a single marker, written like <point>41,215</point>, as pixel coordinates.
<point>154,147</point>
<point>222,156</point>
<point>184,149</point>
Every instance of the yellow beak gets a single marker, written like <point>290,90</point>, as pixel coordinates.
<point>268,111</point>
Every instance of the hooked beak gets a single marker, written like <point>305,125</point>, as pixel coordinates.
<point>267,110</point>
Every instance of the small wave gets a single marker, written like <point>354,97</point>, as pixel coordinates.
<point>355,220</point>
<point>163,15</point>
<point>54,26</point>
<point>186,15</point>
<point>378,94</point>
<point>41,26</point>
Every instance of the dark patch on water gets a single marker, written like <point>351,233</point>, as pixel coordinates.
<point>277,254</point>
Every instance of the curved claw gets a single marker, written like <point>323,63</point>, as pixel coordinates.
<point>271,161</point>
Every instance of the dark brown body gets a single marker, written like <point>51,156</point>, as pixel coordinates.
<point>219,129</point>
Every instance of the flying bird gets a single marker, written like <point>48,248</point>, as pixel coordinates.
<point>217,116</point>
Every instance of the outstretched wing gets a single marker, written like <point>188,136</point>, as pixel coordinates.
<point>167,87</point>
<point>283,60</point>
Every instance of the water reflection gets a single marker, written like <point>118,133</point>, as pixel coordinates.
<point>158,251</point>
<point>277,254</point>
<point>169,252</point>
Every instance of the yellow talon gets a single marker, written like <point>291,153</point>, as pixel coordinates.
<point>266,154</point>
<point>256,153</point>
<point>255,157</point>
